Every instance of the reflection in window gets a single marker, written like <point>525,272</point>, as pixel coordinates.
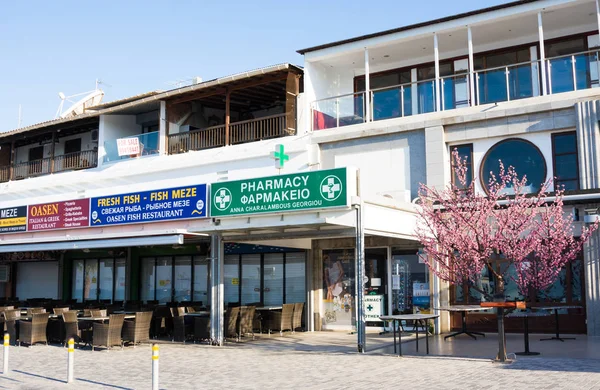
<point>566,168</point>
<point>520,154</point>
<point>465,152</point>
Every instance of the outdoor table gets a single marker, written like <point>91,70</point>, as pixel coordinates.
<point>269,308</point>
<point>198,314</point>
<point>556,309</point>
<point>463,309</point>
<point>410,317</point>
<point>525,315</point>
<point>105,318</point>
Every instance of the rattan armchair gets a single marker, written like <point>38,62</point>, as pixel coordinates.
<point>10,324</point>
<point>181,330</point>
<point>138,330</point>
<point>98,312</point>
<point>59,310</point>
<point>297,317</point>
<point>282,320</point>
<point>35,310</point>
<point>231,322</point>
<point>71,326</point>
<point>108,335</point>
<point>34,331</point>
<point>247,320</point>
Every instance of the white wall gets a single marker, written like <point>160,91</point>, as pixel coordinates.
<point>22,153</point>
<point>37,280</point>
<point>113,127</point>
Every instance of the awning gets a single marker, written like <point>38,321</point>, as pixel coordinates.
<point>173,239</point>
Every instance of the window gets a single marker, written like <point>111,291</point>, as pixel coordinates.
<point>561,68</point>
<point>73,146</point>
<point>492,83</point>
<point>565,160</point>
<point>98,279</point>
<point>174,279</point>
<point>464,152</point>
<point>524,156</point>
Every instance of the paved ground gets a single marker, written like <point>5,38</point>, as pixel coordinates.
<point>319,361</point>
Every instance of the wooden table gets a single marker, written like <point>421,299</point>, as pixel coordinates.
<point>525,315</point>
<point>556,309</point>
<point>463,309</point>
<point>410,317</point>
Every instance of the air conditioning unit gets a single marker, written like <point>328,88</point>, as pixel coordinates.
<point>4,273</point>
<point>94,135</point>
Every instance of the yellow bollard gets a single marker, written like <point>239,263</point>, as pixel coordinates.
<point>5,357</point>
<point>70,357</point>
<point>154,366</point>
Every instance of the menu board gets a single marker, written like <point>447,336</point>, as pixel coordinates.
<point>13,219</point>
<point>59,215</point>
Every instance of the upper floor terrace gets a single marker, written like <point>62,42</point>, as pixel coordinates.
<point>513,51</point>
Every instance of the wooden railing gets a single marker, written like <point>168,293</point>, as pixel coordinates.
<point>258,129</point>
<point>76,160</point>
<point>239,132</point>
<point>211,137</point>
<point>32,168</point>
<point>4,174</point>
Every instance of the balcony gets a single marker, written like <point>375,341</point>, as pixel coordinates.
<point>512,82</point>
<point>67,162</point>
<point>139,145</point>
<point>272,126</point>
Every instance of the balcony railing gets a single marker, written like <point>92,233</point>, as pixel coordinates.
<point>143,145</point>
<point>239,132</point>
<point>66,162</point>
<point>517,81</point>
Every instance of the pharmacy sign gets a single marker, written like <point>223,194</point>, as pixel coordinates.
<point>274,194</point>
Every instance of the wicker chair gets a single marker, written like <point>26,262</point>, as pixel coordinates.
<point>71,326</point>
<point>4,308</point>
<point>190,309</point>
<point>282,320</point>
<point>297,317</point>
<point>35,310</point>
<point>181,330</point>
<point>34,331</point>
<point>202,328</point>
<point>59,310</point>
<point>247,320</point>
<point>231,322</point>
<point>108,335</point>
<point>138,330</point>
<point>10,324</point>
<point>98,312</point>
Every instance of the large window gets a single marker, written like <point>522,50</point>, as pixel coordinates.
<point>174,279</point>
<point>524,156</point>
<point>465,152</point>
<point>98,279</point>
<point>270,279</point>
<point>492,69</point>
<point>566,166</point>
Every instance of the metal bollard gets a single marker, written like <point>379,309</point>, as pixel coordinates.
<point>70,358</point>
<point>5,357</point>
<point>154,366</point>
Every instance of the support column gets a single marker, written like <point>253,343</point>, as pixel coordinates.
<point>217,302</point>
<point>472,80</point>
<point>436,59</point>
<point>367,88</point>
<point>227,116</point>
<point>52,150</point>
<point>292,89</point>
<point>13,156</point>
<point>542,55</point>
<point>163,141</point>
<point>359,276</point>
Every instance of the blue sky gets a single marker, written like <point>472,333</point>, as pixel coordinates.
<point>48,47</point>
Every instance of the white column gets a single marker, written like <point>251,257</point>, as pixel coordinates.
<point>542,54</point>
<point>598,15</point>
<point>472,80</point>
<point>162,128</point>
<point>217,307</point>
<point>367,88</point>
<point>436,56</point>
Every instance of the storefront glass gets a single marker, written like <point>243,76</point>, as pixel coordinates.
<point>250,279</point>
<point>201,281</point>
<point>169,279</point>
<point>410,284</point>
<point>183,278</point>
<point>105,276</point>
<point>231,279</point>
<point>273,279</point>
<point>295,271</point>
<point>338,287</point>
<point>120,279</point>
<point>99,279</point>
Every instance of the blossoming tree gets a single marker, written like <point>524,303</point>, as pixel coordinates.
<point>464,232</point>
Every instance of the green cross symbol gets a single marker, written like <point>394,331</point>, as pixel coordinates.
<point>369,308</point>
<point>280,156</point>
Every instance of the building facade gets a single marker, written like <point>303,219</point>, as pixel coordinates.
<point>273,186</point>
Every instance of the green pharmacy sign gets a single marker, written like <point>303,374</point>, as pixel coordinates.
<point>275,194</point>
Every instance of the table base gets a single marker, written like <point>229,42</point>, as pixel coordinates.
<point>464,329</point>
<point>558,338</point>
<point>527,353</point>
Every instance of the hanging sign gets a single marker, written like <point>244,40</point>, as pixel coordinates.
<point>128,146</point>
<point>298,191</point>
<point>59,215</point>
<point>373,305</point>
<point>13,219</point>
<point>150,206</point>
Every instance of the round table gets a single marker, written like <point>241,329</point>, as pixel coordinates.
<point>525,315</point>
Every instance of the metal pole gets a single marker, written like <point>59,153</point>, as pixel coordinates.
<point>542,53</point>
<point>154,366</point>
<point>471,67</point>
<point>367,87</point>
<point>5,357</point>
<point>337,112</point>
<point>574,73</point>
<point>436,58</point>
<point>216,281</point>
<point>506,74</point>
<point>402,99</point>
<point>70,357</point>
<point>359,274</point>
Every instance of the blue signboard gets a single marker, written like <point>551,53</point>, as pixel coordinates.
<point>150,206</point>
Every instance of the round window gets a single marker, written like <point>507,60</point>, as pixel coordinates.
<point>524,156</point>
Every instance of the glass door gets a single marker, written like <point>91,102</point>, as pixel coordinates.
<point>375,302</point>
<point>273,279</point>
<point>251,279</point>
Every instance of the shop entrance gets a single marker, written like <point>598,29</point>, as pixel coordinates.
<point>376,300</point>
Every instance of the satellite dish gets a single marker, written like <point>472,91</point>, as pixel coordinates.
<point>78,107</point>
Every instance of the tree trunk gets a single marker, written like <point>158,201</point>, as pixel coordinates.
<point>499,297</point>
